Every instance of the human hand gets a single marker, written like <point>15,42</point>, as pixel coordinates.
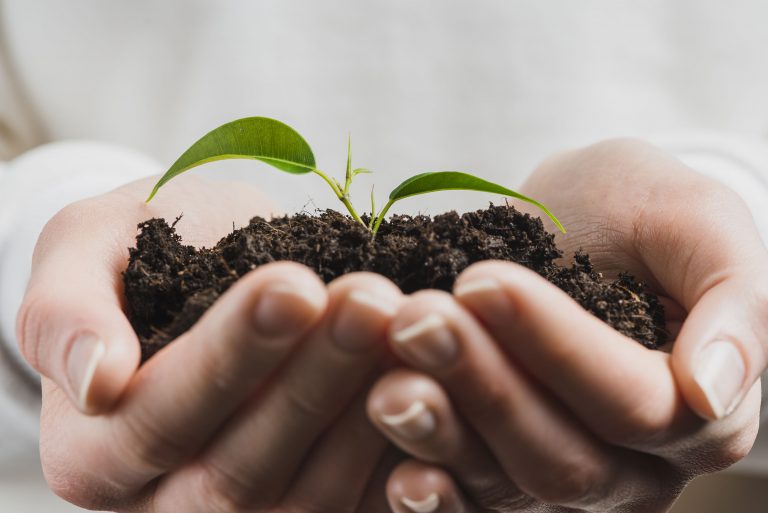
<point>518,400</point>
<point>247,411</point>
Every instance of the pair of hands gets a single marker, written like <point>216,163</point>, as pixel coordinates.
<point>508,396</point>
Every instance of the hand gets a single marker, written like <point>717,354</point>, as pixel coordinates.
<point>259,407</point>
<point>518,400</point>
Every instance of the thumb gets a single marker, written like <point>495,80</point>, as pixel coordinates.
<point>723,346</point>
<point>71,327</point>
<point>701,243</point>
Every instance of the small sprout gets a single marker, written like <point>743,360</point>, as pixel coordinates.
<point>373,209</point>
<point>280,146</point>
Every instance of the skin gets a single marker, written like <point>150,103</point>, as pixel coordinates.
<point>234,416</point>
<point>541,407</point>
<point>253,422</point>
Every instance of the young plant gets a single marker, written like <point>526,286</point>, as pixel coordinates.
<point>280,146</point>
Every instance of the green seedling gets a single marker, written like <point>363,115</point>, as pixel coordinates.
<point>280,146</point>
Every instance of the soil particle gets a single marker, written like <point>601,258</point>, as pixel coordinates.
<point>169,285</point>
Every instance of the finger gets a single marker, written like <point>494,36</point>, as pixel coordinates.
<point>71,327</point>
<point>416,487</point>
<point>712,261</point>
<point>546,452</point>
<point>336,473</point>
<point>415,413</point>
<point>256,456</point>
<point>723,348</point>
<point>180,397</point>
<point>375,498</point>
<point>623,392</point>
<point>186,391</point>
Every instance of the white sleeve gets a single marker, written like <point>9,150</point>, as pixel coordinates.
<point>741,164</point>
<point>33,187</point>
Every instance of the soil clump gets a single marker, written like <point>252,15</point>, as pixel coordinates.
<point>169,285</point>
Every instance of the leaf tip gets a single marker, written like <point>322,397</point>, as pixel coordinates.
<point>152,194</point>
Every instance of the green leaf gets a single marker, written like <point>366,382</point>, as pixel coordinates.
<point>258,138</point>
<point>361,171</point>
<point>455,180</point>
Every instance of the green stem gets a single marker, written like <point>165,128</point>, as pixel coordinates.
<point>373,210</point>
<point>348,175</point>
<point>380,217</point>
<point>340,194</point>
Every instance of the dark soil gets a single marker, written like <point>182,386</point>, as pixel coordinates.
<point>168,285</point>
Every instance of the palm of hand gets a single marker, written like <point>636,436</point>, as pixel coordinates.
<point>649,235</point>
<point>608,426</point>
<point>233,416</point>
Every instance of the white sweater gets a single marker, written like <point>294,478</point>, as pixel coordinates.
<point>490,87</point>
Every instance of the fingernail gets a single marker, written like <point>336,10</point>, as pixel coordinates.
<point>414,423</point>
<point>86,353</point>
<point>361,320</point>
<point>284,309</point>
<point>427,505</point>
<point>478,286</point>
<point>720,373</point>
<point>428,342</point>
<point>487,296</point>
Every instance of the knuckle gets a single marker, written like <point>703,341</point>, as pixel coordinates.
<point>639,426</point>
<point>571,483</point>
<point>727,453</point>
<point>305,403</point>
<point>223,491</point>
<point>495,401</point>
<point>735,451</point>
<point>32,313</point>
<point>144,447</point>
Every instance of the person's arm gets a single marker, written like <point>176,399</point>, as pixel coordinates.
<point>33,187</point>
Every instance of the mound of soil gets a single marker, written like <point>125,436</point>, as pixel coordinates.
<point>169,286</point>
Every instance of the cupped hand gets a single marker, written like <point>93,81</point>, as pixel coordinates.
<point>516,399</point>
<point>259,407</point>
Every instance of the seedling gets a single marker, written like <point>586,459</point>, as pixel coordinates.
<point>280,146</point>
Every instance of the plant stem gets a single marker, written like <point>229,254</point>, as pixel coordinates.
<point>373,209</point>
<point>344,198</point>
<point>348,176</point>
<point>380,217</point>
